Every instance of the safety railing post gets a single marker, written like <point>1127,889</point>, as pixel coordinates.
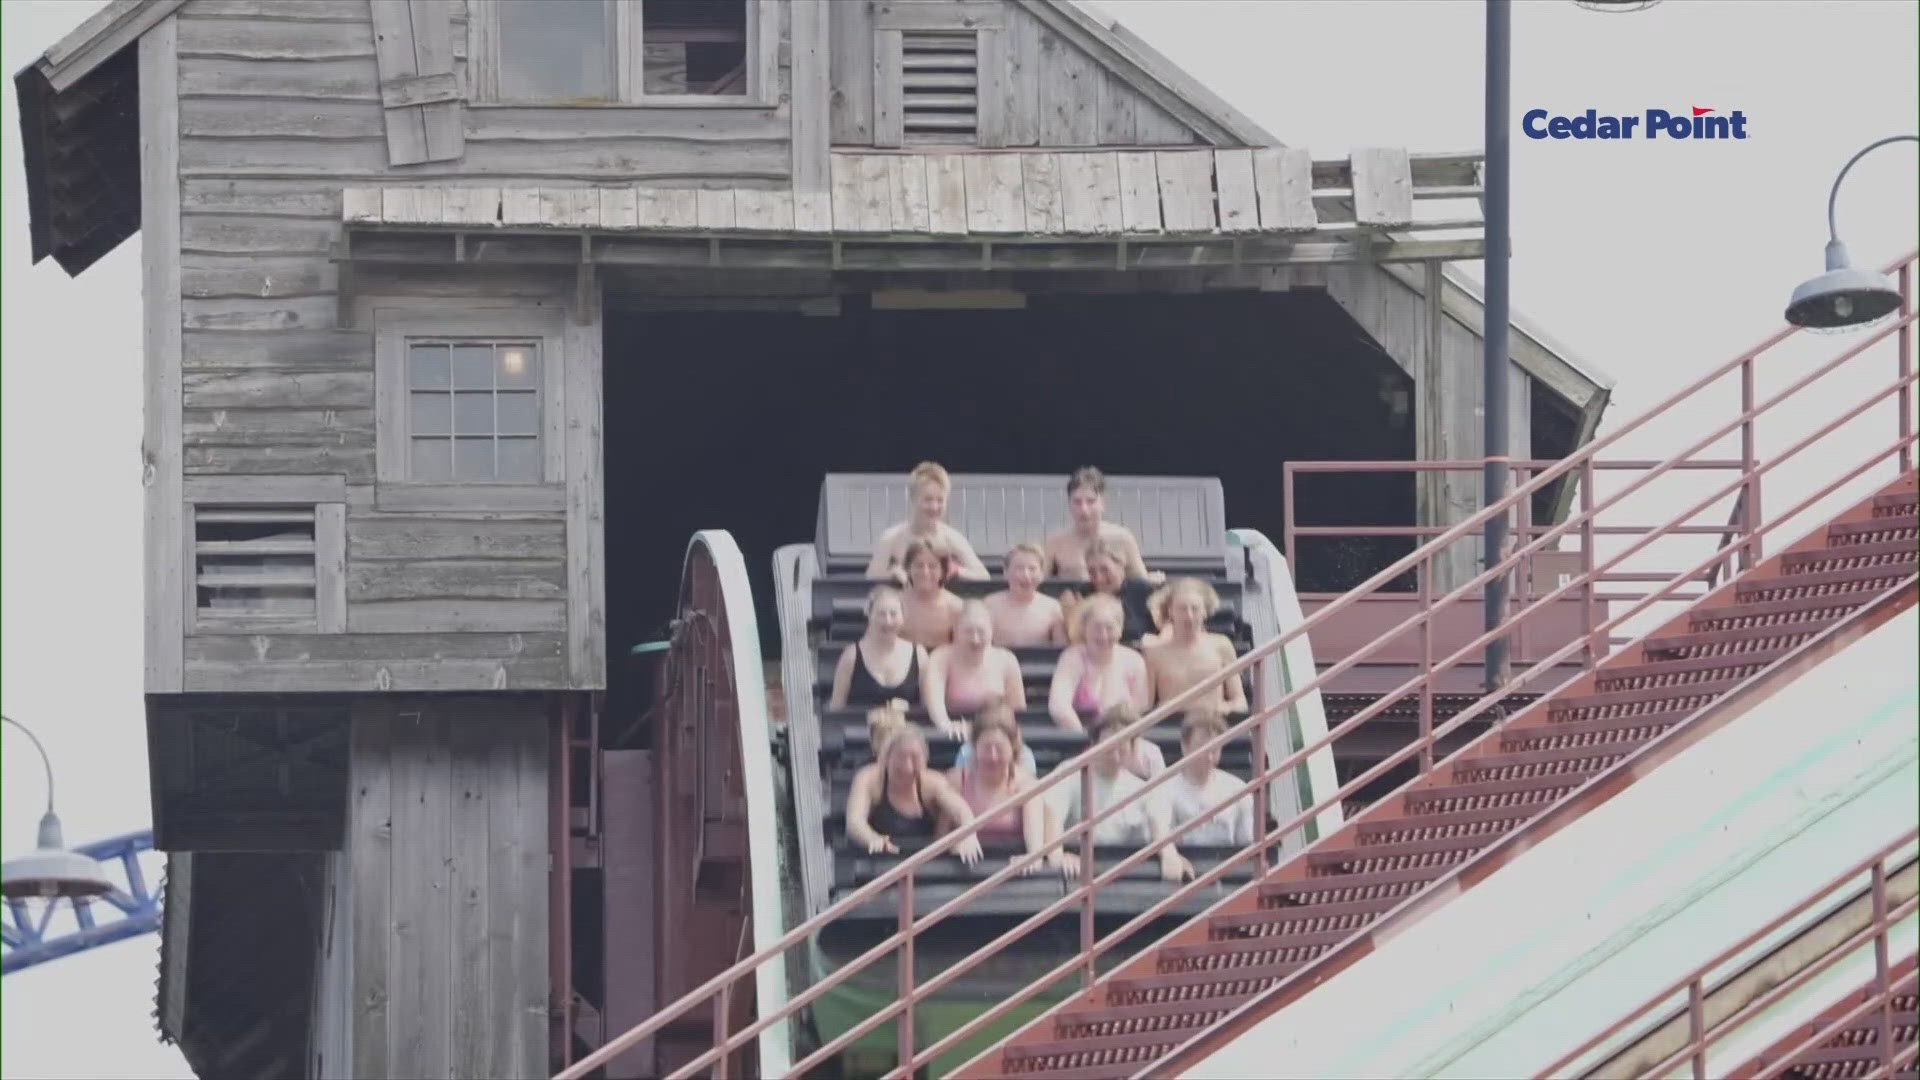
<point>1522,590</point>
<point>1264,793</point>
<point>1086,878</point>
<point>1589,655</point>
<point>722,1028</point>
<point>903,1021</point>
<point>1425,573</point>
<point>1904,365</point>
<point>1697,1028</point>
<point>1882,985</point>
<point>1749,457</point>
<point>1287,518</point>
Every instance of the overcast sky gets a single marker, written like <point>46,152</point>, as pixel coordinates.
<point>1654,261</point>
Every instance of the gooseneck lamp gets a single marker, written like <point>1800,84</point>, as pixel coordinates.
<point>1844,296</point>
<point>51,872</point>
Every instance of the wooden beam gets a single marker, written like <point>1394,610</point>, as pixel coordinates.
<point>165,510</point>
<point>105,33</point>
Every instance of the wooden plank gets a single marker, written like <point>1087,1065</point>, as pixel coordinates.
<point>529,888</point>
<point>330,567</point>
<point>490,579</point>
<point>850,40</point>
<point>473,206</point>
<point>361,205</point>
<point>409,537</point>
<point>812,211</point>
<point>1139,191</point>
<point>713,208</point>
<point>471,891</point>
<point>412,205</point>
<point>619,208</point>
<point>1041,190</point>
<point>421,981</point>
<point>506,923</point>
<point>586,616</point>
<point>861,202</point>
<point>946,15</point>
<point>1283,180</point>
<point>520,206</point>
<point>370,861</point>
<point>990,69</point>
<point>763,210</point>
<point>1090,193</point>
<point>1069,93</point>
<point>462,616</point>
<point>102,35</point>
<point>163,510</point>
<point>812,103</point>
<point>1239,206</point>
<point>1119,109</point>
<point>569,208</point>
<point>1186,190</point>
<point>996,201</point>
<point>395,50</point>
<point>889,97</point>
<point>1382,187</point>
<point>946,194</point>
<point>401,663</point>
<point>1020,112</point>
<point>266,489</point>
<point>272,389</point>
<point>907,193</point>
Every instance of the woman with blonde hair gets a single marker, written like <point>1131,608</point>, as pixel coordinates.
<point>883,665</point>
<point>994,775</point>
<point>899,798</point>
<point>1098,672</point>
<point>1184,654</point>
<point>1107,576</point>
<point>929,608</point>
<point>970,673</point>
<point>927,486</point>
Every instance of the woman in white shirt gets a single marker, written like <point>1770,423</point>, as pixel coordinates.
<point>1112,782</point>
<point>1202,789</point>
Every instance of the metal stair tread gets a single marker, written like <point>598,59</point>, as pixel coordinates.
<point>1546,756</point>
<point>1679,665</point>
<point>1872,525</point>
<point>1853,575</point>
<point>1370,829</point>
<point>1195,979</point>
<point>1570,728</point>
<point>1870,549</point>
<point>1399,849</point>
<point>1645,695</point>
<point>1120,1014</point>
<point>1842,603</point>
<point>1231,946</point>
<point>1337,882</point>
<point>1706,638</point>
<point>1280,915</point>
<point>1515,786</point>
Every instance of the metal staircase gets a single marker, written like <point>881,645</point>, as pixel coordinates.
<point>1750,624</point>
<point>1315,912</point>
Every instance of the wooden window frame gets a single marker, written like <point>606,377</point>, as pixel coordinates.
<point>763,58</point>
<point>986,20</point>
<point>394,327</point>
<point>327,494</point>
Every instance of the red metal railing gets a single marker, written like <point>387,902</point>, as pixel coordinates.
<point>1701,1035</point>
<point>900,944</point>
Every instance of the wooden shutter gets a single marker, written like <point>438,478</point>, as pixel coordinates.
<point>413,45</point>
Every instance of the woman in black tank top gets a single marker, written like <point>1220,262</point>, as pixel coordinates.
<point>854,682</point>
<point>898,798</point>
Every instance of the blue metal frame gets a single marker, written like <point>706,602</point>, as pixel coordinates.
<point>133,910</point>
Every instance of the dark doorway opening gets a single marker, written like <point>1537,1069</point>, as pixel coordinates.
<point>729,419</point>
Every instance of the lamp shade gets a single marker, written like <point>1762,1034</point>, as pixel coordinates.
<point>1841,298</point>
<point>52,871</point>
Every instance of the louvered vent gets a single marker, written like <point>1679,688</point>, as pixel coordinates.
<point>254,562</point>
<point>940,87</point>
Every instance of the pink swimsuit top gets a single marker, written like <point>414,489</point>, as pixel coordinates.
<point>968,694</point>
<point>1086,696</point>
<point>1005,823</point>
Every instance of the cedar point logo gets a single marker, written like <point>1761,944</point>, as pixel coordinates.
<point>1658,123</point>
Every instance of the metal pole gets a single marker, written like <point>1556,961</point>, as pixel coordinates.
<point>1494,354</point>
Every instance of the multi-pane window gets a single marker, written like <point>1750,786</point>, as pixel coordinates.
<point>563,52</point>
<point>474,411</point>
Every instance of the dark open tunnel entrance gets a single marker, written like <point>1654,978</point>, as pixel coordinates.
<point>729,419</point>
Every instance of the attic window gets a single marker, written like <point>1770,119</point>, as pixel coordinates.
<point>255,562</point>
<point>939,87</point>
<point>623,52</point>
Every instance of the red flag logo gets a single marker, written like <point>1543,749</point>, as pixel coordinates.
<point>1698,111</point>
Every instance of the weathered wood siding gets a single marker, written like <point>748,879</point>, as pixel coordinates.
<point>1051,92</point>
<point>447,848</point>
<point>279,109</point>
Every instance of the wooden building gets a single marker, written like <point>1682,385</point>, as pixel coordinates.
<point>461,315</point>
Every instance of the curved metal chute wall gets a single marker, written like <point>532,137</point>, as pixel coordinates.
<point>716,759</point>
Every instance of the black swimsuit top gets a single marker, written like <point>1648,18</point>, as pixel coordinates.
<point>888,820</point>
<point>864,691</point>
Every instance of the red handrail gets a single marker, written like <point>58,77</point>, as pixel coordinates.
<point>1701,1036</point>
<point>909,926</point>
